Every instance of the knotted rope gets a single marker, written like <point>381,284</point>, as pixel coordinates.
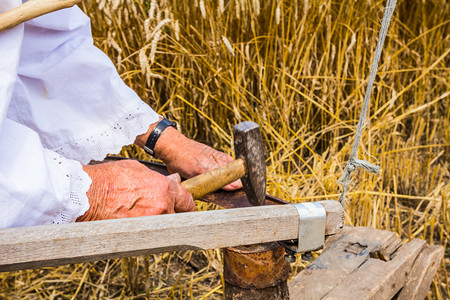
<point>353,161</point>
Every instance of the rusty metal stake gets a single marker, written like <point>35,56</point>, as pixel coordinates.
<point>256,272</point>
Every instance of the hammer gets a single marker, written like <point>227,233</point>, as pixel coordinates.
<point>249,166</point>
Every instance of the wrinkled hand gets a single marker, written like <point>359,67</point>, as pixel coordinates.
<point>185,156</point>
<point>124,189</point>
<point>190,158</point>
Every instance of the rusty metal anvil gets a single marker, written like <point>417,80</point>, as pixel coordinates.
<point>249,166</point>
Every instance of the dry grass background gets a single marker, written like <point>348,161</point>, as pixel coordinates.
<point>299,69</point>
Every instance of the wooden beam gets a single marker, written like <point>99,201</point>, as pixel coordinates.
<point>50,245</point>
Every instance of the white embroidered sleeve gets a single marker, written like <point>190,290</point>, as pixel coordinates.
<point>63,104</point>
<point>37,186</point>
<point>70,92</point>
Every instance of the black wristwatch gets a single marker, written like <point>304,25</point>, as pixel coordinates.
<point>155,134</point>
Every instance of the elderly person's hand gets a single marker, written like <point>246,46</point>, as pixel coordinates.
<point>187,157</point>
<point>124,189</point>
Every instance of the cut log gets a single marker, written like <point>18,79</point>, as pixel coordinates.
<point>422,273</point>
<point>49,245</point>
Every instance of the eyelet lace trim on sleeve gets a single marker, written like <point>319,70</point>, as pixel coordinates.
<point>112,139</point>
<point>78,203</point>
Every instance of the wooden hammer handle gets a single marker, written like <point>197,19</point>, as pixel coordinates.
<point>32,9</point>
<point>211,181</point>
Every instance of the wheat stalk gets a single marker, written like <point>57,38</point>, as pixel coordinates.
<point>151,12</point>
<point>147,29</point>
<point>257,7</point>
<point>143,60</point>
<point>203,9</point>
<point>277,15</point>
<point>228,45</point>
<point>177,30</point>
<point>159,27</point>
<point>115,4</point>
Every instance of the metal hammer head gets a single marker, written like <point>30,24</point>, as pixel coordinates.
<point>248,146</point>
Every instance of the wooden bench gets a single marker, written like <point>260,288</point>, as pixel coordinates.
<point>365,263</point>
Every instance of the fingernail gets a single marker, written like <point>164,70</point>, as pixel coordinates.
<point>175,177</point>
<point>237,183</point>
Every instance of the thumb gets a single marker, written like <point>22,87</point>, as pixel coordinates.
<point>175,177</point>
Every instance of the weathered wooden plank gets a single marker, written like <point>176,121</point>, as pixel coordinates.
<point>335,217</point>
<point>38,246</point>
<point>343,254</point>
<point>422,273</point>
<point>378,279</point>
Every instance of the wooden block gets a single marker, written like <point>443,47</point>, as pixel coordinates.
<point>335,216</point>
<point>344,253</point>
<point>422,273</point>
<point>378,279</point>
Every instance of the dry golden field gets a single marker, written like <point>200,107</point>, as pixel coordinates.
<point>299,68</point>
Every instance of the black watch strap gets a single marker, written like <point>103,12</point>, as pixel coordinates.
<point>155,134</point>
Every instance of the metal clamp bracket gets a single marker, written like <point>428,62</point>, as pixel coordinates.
<point>311,226</point>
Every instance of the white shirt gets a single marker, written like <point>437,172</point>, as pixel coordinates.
<point>62,104</point>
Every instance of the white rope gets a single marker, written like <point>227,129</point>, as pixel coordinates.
<point>353,161</point>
